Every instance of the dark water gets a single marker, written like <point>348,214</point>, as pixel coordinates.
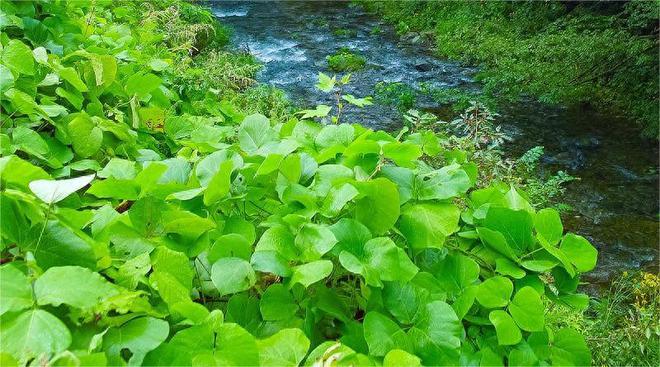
<point>616,198</point>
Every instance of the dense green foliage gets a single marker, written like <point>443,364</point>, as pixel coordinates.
<point>601,53</point>
<point>150,218</point>
<point>346,60</point>
<point>628,313</point>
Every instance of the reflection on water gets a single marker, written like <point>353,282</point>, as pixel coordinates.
<point>616,199</point>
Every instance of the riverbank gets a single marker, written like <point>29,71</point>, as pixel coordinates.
<point>161,207</point>
<point>600,53</point>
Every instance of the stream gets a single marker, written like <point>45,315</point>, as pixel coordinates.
<point>615,201</point>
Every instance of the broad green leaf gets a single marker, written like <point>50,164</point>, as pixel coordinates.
<point>314,240</point>
<point>59,246</point>
<point>527,309</point>
<point>277,303</point>
<point>399,358</point>
<point>33,334</point>
<point>6,78</point>
<point>507,267</point>
<point>235,347</point>
<point>445,183</point>
<point>254,133</point>
<point>427,225</point>
<point>379,209</point>
<point>16,291</point>
<point>403,154</point>
<point>325,84</point>
<point>220,184</point>
<point>379,260</point>
<point>288,347</point>
<point>580,252</point>
<point>232,275</point>
<point>18,57</point>
<point>570,349</point>
<point>495,292</point>
<point>74,286</point>
<point>337,199</point>
<point>507,331</point>
<point>71,75</point>
<point>497,242</point>
<point>456,272</point>
<point>331,135</point>
<point>30,141</point>
<point>383,335</point>
<point>87,138</point>
<point>515,225</point>
<point>230,245</point>
<point>437,334</point>
<point>139,336</point>
<point>310,273</point>
<point>53,191</point>
<point>548,225</point>
<point>404,300</point>
<point>141,84</point>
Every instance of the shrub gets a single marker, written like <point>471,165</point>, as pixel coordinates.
<point>346,60</point>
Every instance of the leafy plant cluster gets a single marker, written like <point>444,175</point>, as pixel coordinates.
<point>146,225</point>
<point>629,313</point>
<point>601,53</point>
<point>346,60</point>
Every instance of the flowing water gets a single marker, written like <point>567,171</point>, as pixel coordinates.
<point>616,198</point>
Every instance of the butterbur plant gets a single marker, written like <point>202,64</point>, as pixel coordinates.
<point>235,240</point>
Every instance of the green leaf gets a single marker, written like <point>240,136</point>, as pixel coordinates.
<point>404,300</point>
<point>337,198</point>
<point>29,141</point>
<point>548,225</point>
<point>310,273</point>
<point>141,84</point>
<point>73,286</point>
<point>220,184</point>
<point>232,275</point>
<point>508,267</point>
<point>59,246</point>
<point>399,358</point>
<point>495,292</point>
<point>379,209</point>
<point>383,335</point>
<point>235,347</point>
<point>325,83</point>
<point>403,154</point>
<point>255,132</point>
<point>87,138</point>
<point>277,303</point>
<point>497,242</point>
<point>379,260</point>
<point>570,349</point>
<point>507,331</point>
<point>580,252</point>
<point>53,191</point>
<point>314,241</point>
<point>427,225</point>
<point>6,78</point>
<point>288,347</point>
<point>456,272</point>
<point>71,75</point>
<point>515,225</point>
<point>230,245</point>
<point>33,334</point>
<point>18,57</point>
<point>445,183</point>
<point>16,291</point>
<point>139,335</point>
<point>527,309</point>
<point>437,334</point>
